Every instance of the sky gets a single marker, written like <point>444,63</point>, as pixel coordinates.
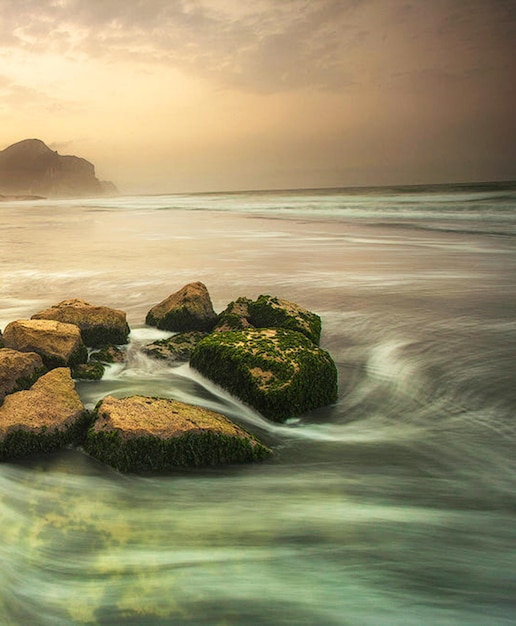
<point>213,95</point>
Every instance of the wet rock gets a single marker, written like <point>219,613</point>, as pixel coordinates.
<point>236,316</point>
<point>44,418</point>
<point>271,312</point>
<point>57,343</point>
<point>279,372</point>
<point>1,340</point>
<point>88,371</point>
<point>109,354</point>
<point>139,433</point>
<point>18,370</point>
<point>100,325</point>
<point>190,308</point>
<point>176,348</point>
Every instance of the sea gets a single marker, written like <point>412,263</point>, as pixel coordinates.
<point>394,506</point>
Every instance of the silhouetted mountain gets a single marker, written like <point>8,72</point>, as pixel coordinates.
<point>30,167</point>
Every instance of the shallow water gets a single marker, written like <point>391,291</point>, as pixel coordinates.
<point>394,506</point>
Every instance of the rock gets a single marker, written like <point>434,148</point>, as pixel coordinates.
<point>100,325</point>
<point>109,354</point>
<point>190,308</point>
<point>18,370</point>
<point>1,340</point>
<point>271,312</point>
<point>30,167</point>
<point>140,434</point>
<point>176,348</point>
<point>57,343</point>
<point>236,316</point>
<point>88,371</point>
<point>279,372</point>
<point>47,416</point>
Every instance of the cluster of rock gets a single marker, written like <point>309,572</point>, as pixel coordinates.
<point>29,169</point>
<point>264,352</point>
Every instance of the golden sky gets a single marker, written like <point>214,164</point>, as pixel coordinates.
<point>200,95</point>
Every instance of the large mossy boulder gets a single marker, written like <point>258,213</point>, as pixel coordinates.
<point>279,372</point>
<point>140,433</point>
<point>99,325</point>
<point>18,370</point>
<point>190,308</point>
<point>44,418</point>
<point>176,348</point>
<point>58,344</point>
<point>269,312</point>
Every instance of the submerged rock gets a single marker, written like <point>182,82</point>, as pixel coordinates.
<point>140,434</point>
<point>18,370</point>
<point>88,371</point>
<point>109,354</point>
<point>176,348</point>
<point>47,416</point>
<point>99,325</point>
<point>279,372</point>
<point>57,343</point>
<point>190,308</point>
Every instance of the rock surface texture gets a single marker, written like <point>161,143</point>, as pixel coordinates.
<point>47,416</point>
<point>18,370</point>
<point>140,433</point>
<point>30,167</point>
<point>176,348</point>
<point>57,343</point>
<point>99,325</point>
<point>190,308</point>
<point>279,372</point>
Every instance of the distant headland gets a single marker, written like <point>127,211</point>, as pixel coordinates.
<point>29,169</point>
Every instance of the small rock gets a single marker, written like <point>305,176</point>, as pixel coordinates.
<point>176,348</point>
<point>18,370</point>
<point>57,343</point>
<point>47,416</point>
<point>100,325</point>
<point>140,434</point>
<point>109,354</point>
<point>190,308</point>
<point>88,371</point>
<point>236,316</point>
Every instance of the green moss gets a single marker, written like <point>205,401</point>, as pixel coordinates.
<point>297,376</point>
<point>270,312</point>
<point>20,443</point>
<point>150,453</point>
<point>100,336</point>
<point>88,371</point>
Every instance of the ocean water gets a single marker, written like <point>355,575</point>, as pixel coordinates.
<point>395,506</point>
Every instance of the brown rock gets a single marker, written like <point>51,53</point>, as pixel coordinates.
<point>18,370</point>
<point>190,308</point>
<point>57,343</point>
<point>47,416</point>
<point>141,433</point>
<point>100,325</point>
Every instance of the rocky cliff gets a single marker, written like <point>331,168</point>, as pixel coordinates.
<point>30,167</point>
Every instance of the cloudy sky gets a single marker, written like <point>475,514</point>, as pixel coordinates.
<point>199,95</point>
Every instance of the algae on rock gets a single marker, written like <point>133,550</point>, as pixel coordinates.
<point>279,372</point>
<point>141,433</point>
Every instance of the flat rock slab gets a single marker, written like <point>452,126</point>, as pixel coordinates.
<point>47,416</point>
<point>18,370</point>
<point>57,343</point>
<point>279,372</point>
<point>99,325</point>
<point>142,433</point>
<point>190,308</point>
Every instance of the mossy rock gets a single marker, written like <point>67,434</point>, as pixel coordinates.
<point>140,433</point>
<point>176,348</point>
<point>190,308</point>
<point>44,418</point>
<point>99,325</point>
<point>236,316</point>
<point>88,371</point>
<point>59,344</point>
<point>18,370</point>
<point>109,354</point>
<point>279,372</point>
<point>1,340</point>
<point>272,312</point>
